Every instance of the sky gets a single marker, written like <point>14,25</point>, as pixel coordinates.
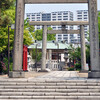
<point>32,8</point>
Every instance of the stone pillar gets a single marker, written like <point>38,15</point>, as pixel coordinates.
<point>50,55</point>
<point>18,40</point>
<point>50,58</point>
<point>94,40</point>
<point>83,53</point>
<point>44,46</point>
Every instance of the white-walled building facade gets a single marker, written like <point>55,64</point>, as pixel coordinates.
<point>82,15</point>
<point>54,16</point>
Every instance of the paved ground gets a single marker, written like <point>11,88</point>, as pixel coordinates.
<point>53,74</point>
<point>27,74</point>
<point>62,75</point>
<point>59,74</point>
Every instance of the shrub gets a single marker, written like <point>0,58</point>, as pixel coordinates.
<point>1,68</point>
<point>4,66</point>
<point>78,66</point>
<point>71,69</point>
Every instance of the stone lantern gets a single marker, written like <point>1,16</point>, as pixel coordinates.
<point>66,59</point>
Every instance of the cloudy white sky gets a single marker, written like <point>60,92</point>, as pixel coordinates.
<point>31,8</point>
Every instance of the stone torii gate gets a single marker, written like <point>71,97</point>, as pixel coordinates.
<point>62,31</point>
<point>18,37</point>
<point>82,36</point>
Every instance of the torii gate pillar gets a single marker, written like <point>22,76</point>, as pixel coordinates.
<point>94,40</point>
<point>18,41</point>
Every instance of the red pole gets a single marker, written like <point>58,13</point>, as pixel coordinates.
<point>25,58</point>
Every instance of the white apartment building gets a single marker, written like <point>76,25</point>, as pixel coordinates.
<point>82,15</point>
<point>63,16</point>
<point>35,17</point>
<point>54,16</point>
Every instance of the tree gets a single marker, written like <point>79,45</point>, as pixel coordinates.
<point>39,55</point>
<point>39,35</point>
<point>7,17</point>
<point>28,33</point>
<point>5,5</point>
<point>75,53</point>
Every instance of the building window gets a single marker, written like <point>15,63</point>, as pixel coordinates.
<point>65,13</point>
<point>65,19</point>
<point>59,19</point>
<point>33,15</point>
<point>28,15</point>
<point>38,17</point>
<point>53,14</point>
<point>53,19</point>
<point>59,13</point>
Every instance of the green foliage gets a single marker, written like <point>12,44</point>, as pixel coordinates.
<point>7,17</point>
<point>4,6</point>
<point>10,15</point>
<point>4,65</point>
<point>39,55</point>
<point>71,69</point>
<point>1,68</point>
<point>75,53</point>
<point>88,54</point>
<point>78,66</point>
<point>28,33</point>
<point>28,36</point>
<point>39,35</point>
<point>99,26</point>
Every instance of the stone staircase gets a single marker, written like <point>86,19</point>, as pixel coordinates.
<point>49,89</point>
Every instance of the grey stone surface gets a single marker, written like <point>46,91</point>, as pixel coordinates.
<point>63,31</point>
<point>18,36</point>
<point>93,74</point>
<point>15,74</point>
<point>94,40</point>
<point>60,74</point>
<point>44,45</point>
<point>59,23</point>
<point>55,1</point>
<point>50,88</point>
<point>83,54</point>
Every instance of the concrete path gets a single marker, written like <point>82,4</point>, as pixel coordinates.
<point>61,75</point>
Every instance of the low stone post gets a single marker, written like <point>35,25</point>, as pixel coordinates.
<point>50,58</point>
<point>44,46</point>
<point>50,55</point>
<point>83,53</point>
<point>94,40</point>
<point>18,41</point>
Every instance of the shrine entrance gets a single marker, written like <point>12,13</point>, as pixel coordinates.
<point>93,30</point>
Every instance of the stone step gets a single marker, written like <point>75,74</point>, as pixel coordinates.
<point>51,90</point>
<point>48,84</point>
<point>49,87</point>
<point>50,97</point>
<point>53,99</point>
<point>48,81</point>
<point>47,94</point>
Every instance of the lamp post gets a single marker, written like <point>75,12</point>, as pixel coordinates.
<point>12,27</point>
